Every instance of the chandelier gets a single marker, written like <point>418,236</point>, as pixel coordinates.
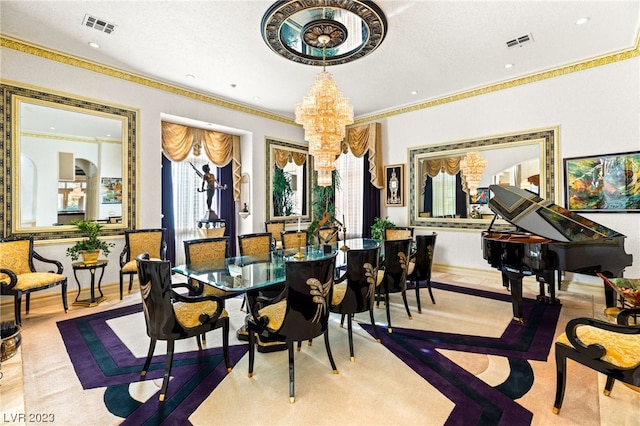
<point>471,167</point>
<point>324,113</point>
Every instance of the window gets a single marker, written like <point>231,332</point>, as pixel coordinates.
<point>349,196</point>
<point>444,195</point>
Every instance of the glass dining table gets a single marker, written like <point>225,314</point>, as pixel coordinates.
<point>244,274</point>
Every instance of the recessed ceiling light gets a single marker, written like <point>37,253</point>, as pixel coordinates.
<point>190,76</point>
<point>507,66</point>
<point>414,92</point>
<point>582,21</point>
<point>52,128</point>
<point>108,135</point>
<point>256,98</point>
<point>94,45</point>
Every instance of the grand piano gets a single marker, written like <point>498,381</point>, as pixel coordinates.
<point>548,238</point>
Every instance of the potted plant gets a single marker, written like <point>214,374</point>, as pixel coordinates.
<point>378,227</point>
<point>89,248</point>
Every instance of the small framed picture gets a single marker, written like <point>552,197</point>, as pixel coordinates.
<point>394,185</point>
<point>480,196</point>
<point>111,191</point>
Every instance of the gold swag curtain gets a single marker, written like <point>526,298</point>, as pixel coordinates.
<point>365,138</point>
<point>220,148</point>
<point>282,157</point>
<point>450,165</point>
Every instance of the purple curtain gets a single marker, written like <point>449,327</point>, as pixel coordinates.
<point>370,200</point>
<point>226,205</point>
<point>167,209</point>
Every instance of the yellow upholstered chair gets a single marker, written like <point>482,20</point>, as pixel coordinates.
<point>172,316</point>
<point>257,243</point>
<point>136,242</point>
<point>275,228</point>
<point>18,274</point>
<point>398,233</point>
<point>328,235</point>
<point>611,349</point>
<point>206,250</point>
<point>290,239</point>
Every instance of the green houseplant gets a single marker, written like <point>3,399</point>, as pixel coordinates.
<point>378,227</point>
<point>91,243</point>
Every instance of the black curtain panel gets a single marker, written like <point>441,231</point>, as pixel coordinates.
<point>461,198</point>
<point>370,200</point>
<point>428,195</point>
<point>226,205</point>
<point>167,209</point>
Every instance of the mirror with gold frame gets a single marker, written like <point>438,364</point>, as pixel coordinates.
<point>291,164</point>
<point>526,159</point>
<point>64,159</point>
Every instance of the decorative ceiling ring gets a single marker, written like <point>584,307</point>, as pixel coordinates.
<point>291,29</point>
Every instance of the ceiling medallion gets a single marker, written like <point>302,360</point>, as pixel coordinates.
<point>292,28</point>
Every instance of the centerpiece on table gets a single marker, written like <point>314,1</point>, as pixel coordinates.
<point>88,248</point>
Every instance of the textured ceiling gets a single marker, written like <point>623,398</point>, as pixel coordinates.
<point>436,48</point>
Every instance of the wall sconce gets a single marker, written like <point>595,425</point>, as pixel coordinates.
<point>245,195</point>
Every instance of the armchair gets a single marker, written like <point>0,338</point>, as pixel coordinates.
<point>275,228</point>
<point>398,233</point>
<point>136,242</point>
<point>290,239</point>
<point>171,316</point>
<point>392,277</point>
<point>18,273</point>
<point>611,349</point>
<point>421,263</point>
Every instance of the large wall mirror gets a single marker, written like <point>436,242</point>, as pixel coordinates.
<point>438,197</point>
<point>288,166</point>
<point>65,159</point>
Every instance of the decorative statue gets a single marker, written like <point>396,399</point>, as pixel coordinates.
<point>211,183</point>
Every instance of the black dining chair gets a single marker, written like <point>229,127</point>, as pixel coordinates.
<point>392,276</point>
<point>354,291</point>
<point>421,263</point>
<point>171,316</point>
<point>398,232</point>
<point>300,312</point>
<point>293,239</point>
<point>136,242</point>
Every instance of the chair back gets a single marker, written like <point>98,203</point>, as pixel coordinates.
<point>290,239</point>
<point>362,271</point>
<point>308,289</point>
<point>155,289</point>
<point>398,233</point>
<point>396,261</point>
<point>206,249</point>
<point>276,228</point>
<point>152,241</point>
<point>258,243</point>
<point>425,245</point>
<point>328,234</point>
<point>16,255</point>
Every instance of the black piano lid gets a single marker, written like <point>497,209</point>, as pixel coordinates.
<point>526,210</point>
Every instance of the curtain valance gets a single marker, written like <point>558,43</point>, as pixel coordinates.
<point>282,157</point>
<point>220,148</point>
<point>367,138</point>
<point>450,165</point>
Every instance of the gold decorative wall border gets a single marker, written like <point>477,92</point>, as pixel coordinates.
<point>25,47</point>
<point>42,52</point>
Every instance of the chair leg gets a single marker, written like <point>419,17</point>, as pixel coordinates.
<point>199,342</point>
<point>292,396</point>
<point>299,346</point>
<point>373,324</point>
<point>350,332</point>
<point>130,282</point>
<point>147,362</point>
<point>328,348</point>
<point>386,304</point>
<point>225,344</point>
<point>252,344</point>
<point>167,370</point>
<point>121,284</point>
<point>417,284</point>
<point>17,307</point>
<point>27,303</point>
<point>608,387</point>
<point>561,368</point>
<point>65,303</point>
<point>342,320</point>
<point>433,300</point>
<point>406,304</point>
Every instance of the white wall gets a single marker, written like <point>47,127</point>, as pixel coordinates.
<point>597,112</point>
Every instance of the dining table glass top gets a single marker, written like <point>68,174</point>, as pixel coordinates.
<point>245,273</point>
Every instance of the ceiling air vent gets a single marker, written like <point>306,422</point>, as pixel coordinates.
<point>98,24</point>
<point>520,41</point>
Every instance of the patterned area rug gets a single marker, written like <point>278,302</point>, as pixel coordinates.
<point>100,359</point>
<point>476,401</point>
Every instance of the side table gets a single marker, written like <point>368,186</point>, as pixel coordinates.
<point>92,268</point>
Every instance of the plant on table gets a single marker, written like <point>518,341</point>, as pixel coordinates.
<point>378,227</point>
<point>90,230</point>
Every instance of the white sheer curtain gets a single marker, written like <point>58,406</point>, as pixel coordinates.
<point>189,205</point>
<point>444,195</point>
<point>349,197</point>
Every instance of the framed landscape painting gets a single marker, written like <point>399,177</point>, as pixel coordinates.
<point>603,183</point>
<point>111,190</point>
